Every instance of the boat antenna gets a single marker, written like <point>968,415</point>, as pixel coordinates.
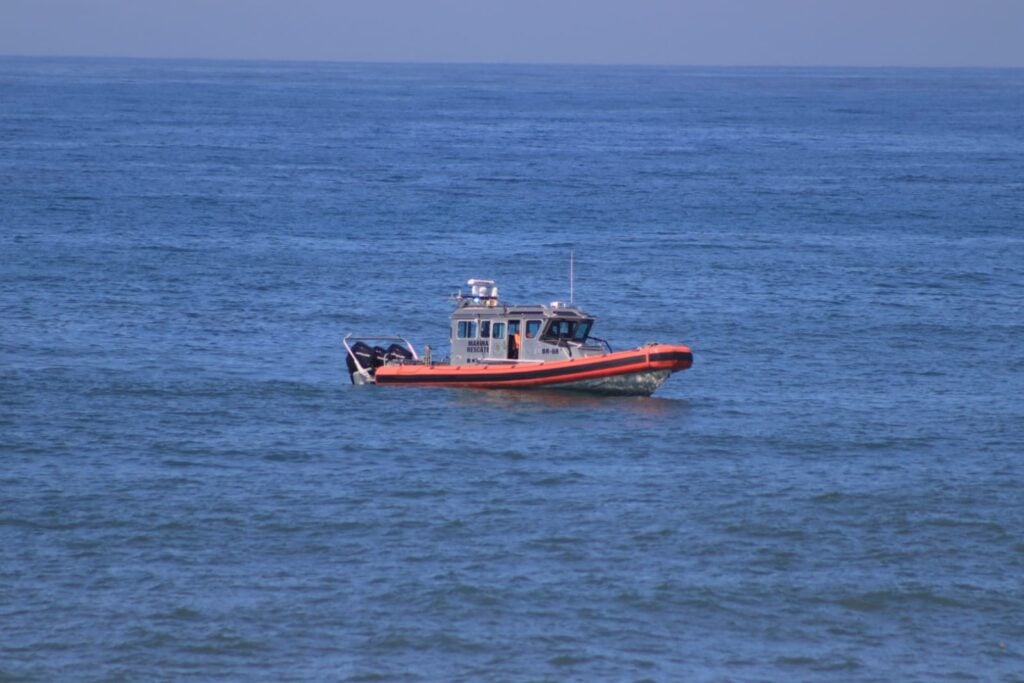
<point>571,276</point>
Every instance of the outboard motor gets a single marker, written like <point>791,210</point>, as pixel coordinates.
<point>366,357</point>
<point>398,352</point>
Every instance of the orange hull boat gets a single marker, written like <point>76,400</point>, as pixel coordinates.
<point>637,371</point>
<point>498,345</point>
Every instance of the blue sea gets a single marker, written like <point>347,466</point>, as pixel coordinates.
<point>191,488</point>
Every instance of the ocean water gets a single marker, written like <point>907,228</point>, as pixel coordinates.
<point>190,488</point>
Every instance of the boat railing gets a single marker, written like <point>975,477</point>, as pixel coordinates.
<point>378,338</point>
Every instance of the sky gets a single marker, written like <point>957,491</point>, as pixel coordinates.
<point>684,32</point>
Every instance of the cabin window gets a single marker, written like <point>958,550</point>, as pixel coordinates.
<point>582,330</point>
<point>485,329</point>
<point>498,331</point>
<point>568,329</point>
<point>559,329</point>
<point>467,329</point>
<point>532,327</point>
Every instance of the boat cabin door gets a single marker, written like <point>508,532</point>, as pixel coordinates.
<point>499,343</point>
<point>514,340</point>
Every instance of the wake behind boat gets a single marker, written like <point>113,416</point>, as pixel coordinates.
<point>495,345</point>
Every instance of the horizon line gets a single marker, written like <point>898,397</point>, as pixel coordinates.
<point>385,62</point>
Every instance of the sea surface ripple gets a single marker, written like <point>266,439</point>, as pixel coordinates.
<point>191,488</point>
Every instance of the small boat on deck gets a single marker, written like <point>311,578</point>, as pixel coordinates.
<point>496,345</point>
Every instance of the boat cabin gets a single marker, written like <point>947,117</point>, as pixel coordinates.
<point>486,330</point>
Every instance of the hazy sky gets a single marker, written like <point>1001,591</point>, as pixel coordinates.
<point>700,32</point>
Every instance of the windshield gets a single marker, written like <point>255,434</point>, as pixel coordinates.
<point>576,330</point>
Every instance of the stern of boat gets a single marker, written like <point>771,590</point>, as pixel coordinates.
<point>365,354</point>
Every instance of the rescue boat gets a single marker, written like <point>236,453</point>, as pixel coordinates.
<point>496,345</point>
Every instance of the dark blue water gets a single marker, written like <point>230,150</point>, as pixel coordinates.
<point>190,488</point>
